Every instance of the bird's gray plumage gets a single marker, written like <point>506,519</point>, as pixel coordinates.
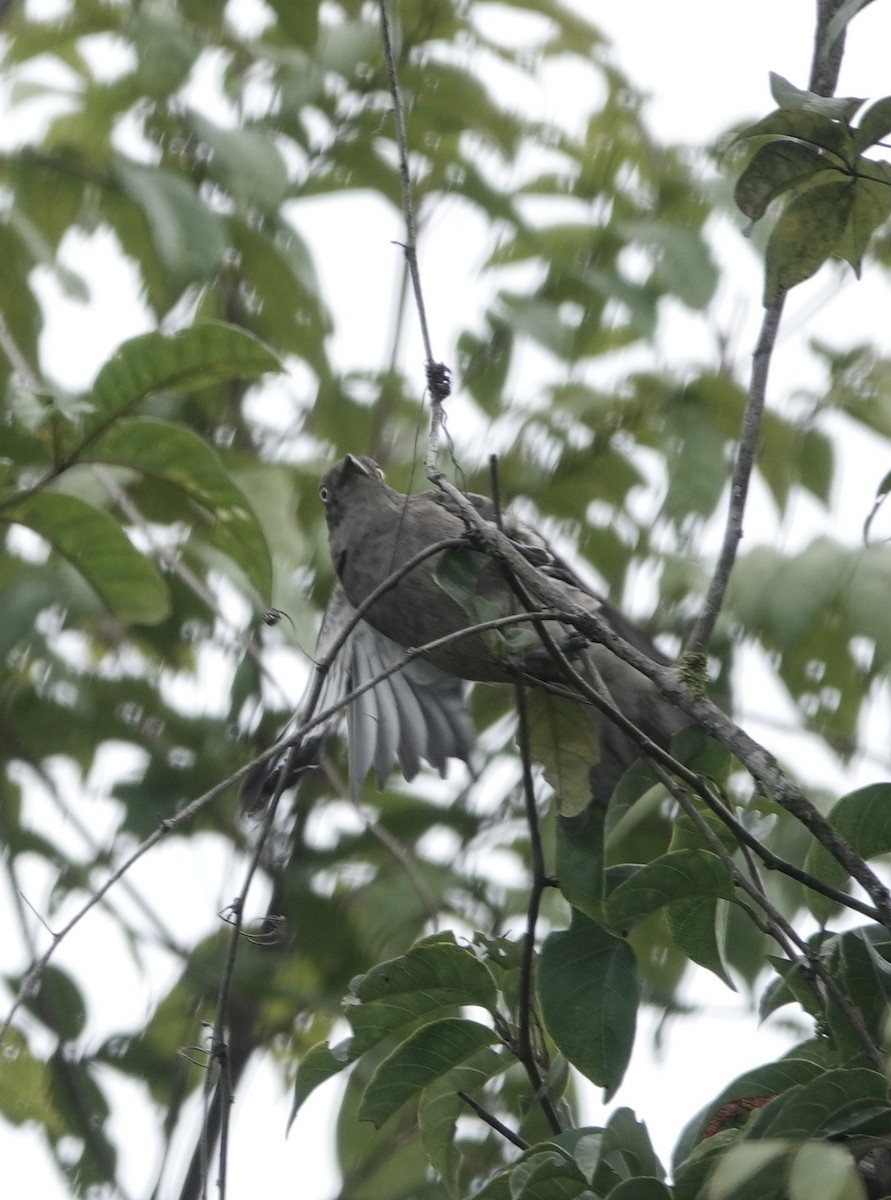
<point>416,713</point>
<point>419,712</point>
<point>373,530</point>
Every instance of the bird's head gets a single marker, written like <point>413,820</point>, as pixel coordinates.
<point>347,482</point>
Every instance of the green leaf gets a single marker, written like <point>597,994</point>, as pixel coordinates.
<point>320,1063</point>
<point>24,1094</point>
<point>640,1189</point>
<point>189,236</point>
<point>875,124</point>
<point>550,1178</point>
<point>459,574</point>
<point>806,234</point>
<point>789,97</point>
<point>793,985</point>
<point>694,924</point>
<point>734,1175</point>
<point>126,581</point>
<point>441,1105</point>
<point>435,974</point>
<point>816,129</point>
<point>166,47</point>
<point>425,1056</point>
<point>563,739</point>
<point>300,23</point>
<point>626,1150</point>
<point>58,1003</point>
<point>246,161</point>
<point>871,208</point>
<point>774,168</point>
<point>813,1109</point>
<point>205,353</point>
<point>858,962</point>
<point>673,876</point>
<point>842,15</point>
<point>589,992</point>
<point>579,860</point>
<point>816,463</point>
<point>484,363</point>
<point>684,265</point>
<point>174,454</point>
<point>768,1080</point>
<point>703,754</point>
<point>824,1171</point>
<point>863,818</point>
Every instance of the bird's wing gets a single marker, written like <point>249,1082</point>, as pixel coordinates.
<point>417,712</point>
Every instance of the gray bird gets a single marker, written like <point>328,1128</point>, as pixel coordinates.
<point>419,711</point>
<point>374,530</point>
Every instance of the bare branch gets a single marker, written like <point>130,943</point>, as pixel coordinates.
<point>825,66</point>
<point>739,484</point>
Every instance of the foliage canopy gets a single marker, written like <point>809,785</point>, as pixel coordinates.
<point>149,522</point>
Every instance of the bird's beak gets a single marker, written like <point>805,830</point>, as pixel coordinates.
<point>357,464</point>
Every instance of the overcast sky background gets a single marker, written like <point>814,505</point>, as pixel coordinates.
<point>705,65</point>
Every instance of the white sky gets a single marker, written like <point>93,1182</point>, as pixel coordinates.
<point>705,64</point>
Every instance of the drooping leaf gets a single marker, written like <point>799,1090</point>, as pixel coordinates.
<point>808,231</point>
<point>189,236</point>
<point>246,161</point>
<point>125,580</point>
<point>424,1057</point>
<point>674,876</point>
<point>791,98</point>
<point>441,1105</point>
<point>803,125</point>
<point>209,352</point>
<point>580,860</point>
<point>863,818</point>
<point>563,739</point>
<point>180,458</point>
<point>321,1063</point>
<point>434,974</point>
<point>875,124</point>
<point>696,925</point>
<point>870,209</point>
<point>824,1171</point>
<point>846,1099</point>
<point>589,991</point>
<point>774,168</point>
<point>842,15</point>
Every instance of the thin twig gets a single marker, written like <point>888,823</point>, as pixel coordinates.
<point>220,1039</point>
<point>492,1121</point>
<point>410,245</point>
<point>408,209</point>
<point>525,1050</point>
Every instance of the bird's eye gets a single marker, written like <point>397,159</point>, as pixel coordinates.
<point>380,473</point>
<point>324,495</point>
